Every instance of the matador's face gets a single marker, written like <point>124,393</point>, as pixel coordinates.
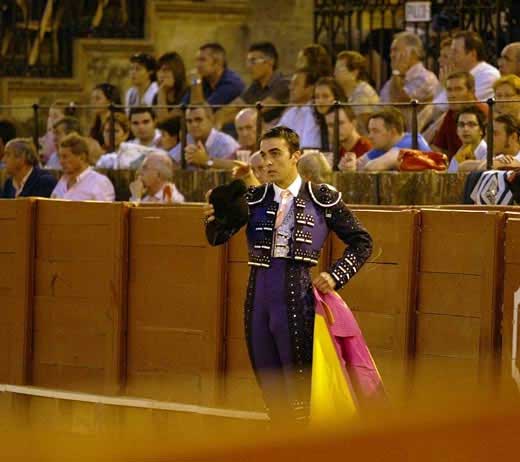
<point>280,163</point>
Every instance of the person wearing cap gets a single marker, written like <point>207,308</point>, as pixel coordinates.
<point>144,86</point>
<point>288,221</point>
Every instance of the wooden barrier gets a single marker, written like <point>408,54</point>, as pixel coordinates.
<point>357,188</point>
<point>16,257</point>
<point>175,315</point>
<point>423,188</point>
<point>79,295</point>
<point>162,316</point>
<point>384,188</point>
<point>511,300</point>
<point>457,331</point>
<point>381,296</point>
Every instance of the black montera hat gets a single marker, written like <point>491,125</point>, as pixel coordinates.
<point>231,209</point>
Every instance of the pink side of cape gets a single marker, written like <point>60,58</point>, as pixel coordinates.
<point>350,344</point>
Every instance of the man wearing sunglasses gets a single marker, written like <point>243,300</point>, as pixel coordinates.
<point>268,85</point>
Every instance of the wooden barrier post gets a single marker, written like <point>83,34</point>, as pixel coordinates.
<point>458,298</point>
<point>16,289</point>
<point>175,312</point>
<point>80,295</point>
<point>382,295</point>
<point>511,299</point>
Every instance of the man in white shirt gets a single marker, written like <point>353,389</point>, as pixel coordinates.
<point>61,129</point>
<point>79,181</point>
<point>506,143</point>
<point>245,125</point>
<point>142,125</point>
<point>471,129</point>
<point>509,61</point>
<point>155,181</point>
<point>301,119</point>
<point>142,74</point>
<point>207,147</point>
<point>410,79</point>
<point>467,51</point>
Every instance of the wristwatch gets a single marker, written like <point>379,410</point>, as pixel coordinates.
<point>209,163</point>
<point>396,72</point>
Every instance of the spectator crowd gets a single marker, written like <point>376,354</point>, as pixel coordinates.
<point>143,130</point>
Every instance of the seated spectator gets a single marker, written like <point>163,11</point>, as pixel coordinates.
<point>245,125</point>
<point>506,136</point>
<point>508,88</point>
<point>7,133</point>
<point>124,153</point>
<point>26,179</point>
<point>154,182</point>
<point>207,147</point>
<point>170,129</point>
<point>471,128</point>
<point>468,55</point>
<point>79,181</point>
<point>326,91</point>
<point>142,75</point>
<point>313,166</point>
<point>63,127</point>
<point>509,61</point>
<point>315,58</point>
<point>101,97</point>
<point>352,144</point>
<point>252,173</point>
<point>351,73</point>
<point>300,118</point>
<point>506,142</point>
<point>387,135</point>
<point>58,110</point>
<point>142,125</point>
<point>213,82</point>
<point>258,167</point>
<point>171,77</point>
<point>429,118</point>
<point>268,85</point>
<point>460,86</point>
<point>410,79</point>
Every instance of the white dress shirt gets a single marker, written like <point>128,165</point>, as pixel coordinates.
<point>162,198</point>
<point>301,119</point>
<point>89,186</point>
<point>133,99</point>
<point>294,189</point>
<point>480,154</point>
<point>219,145</point>
<point>485,75</point>
<point>126,155</point>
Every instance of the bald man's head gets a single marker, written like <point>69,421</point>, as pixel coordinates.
<point>245,124</point>
<point>509,61</point>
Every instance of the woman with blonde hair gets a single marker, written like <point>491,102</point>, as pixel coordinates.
<point>507,88</point>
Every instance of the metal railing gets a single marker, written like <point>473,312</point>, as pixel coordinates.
<point>412,107</point>
<point>368,26</point>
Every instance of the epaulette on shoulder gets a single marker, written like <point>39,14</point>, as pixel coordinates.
<point>324,194</point>
<point>256,194</point>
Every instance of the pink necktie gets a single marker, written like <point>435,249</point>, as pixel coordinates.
<point>284,207</point>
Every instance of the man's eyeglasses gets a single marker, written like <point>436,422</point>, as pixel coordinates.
<point>254,61</point>
<point>467,124</point>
